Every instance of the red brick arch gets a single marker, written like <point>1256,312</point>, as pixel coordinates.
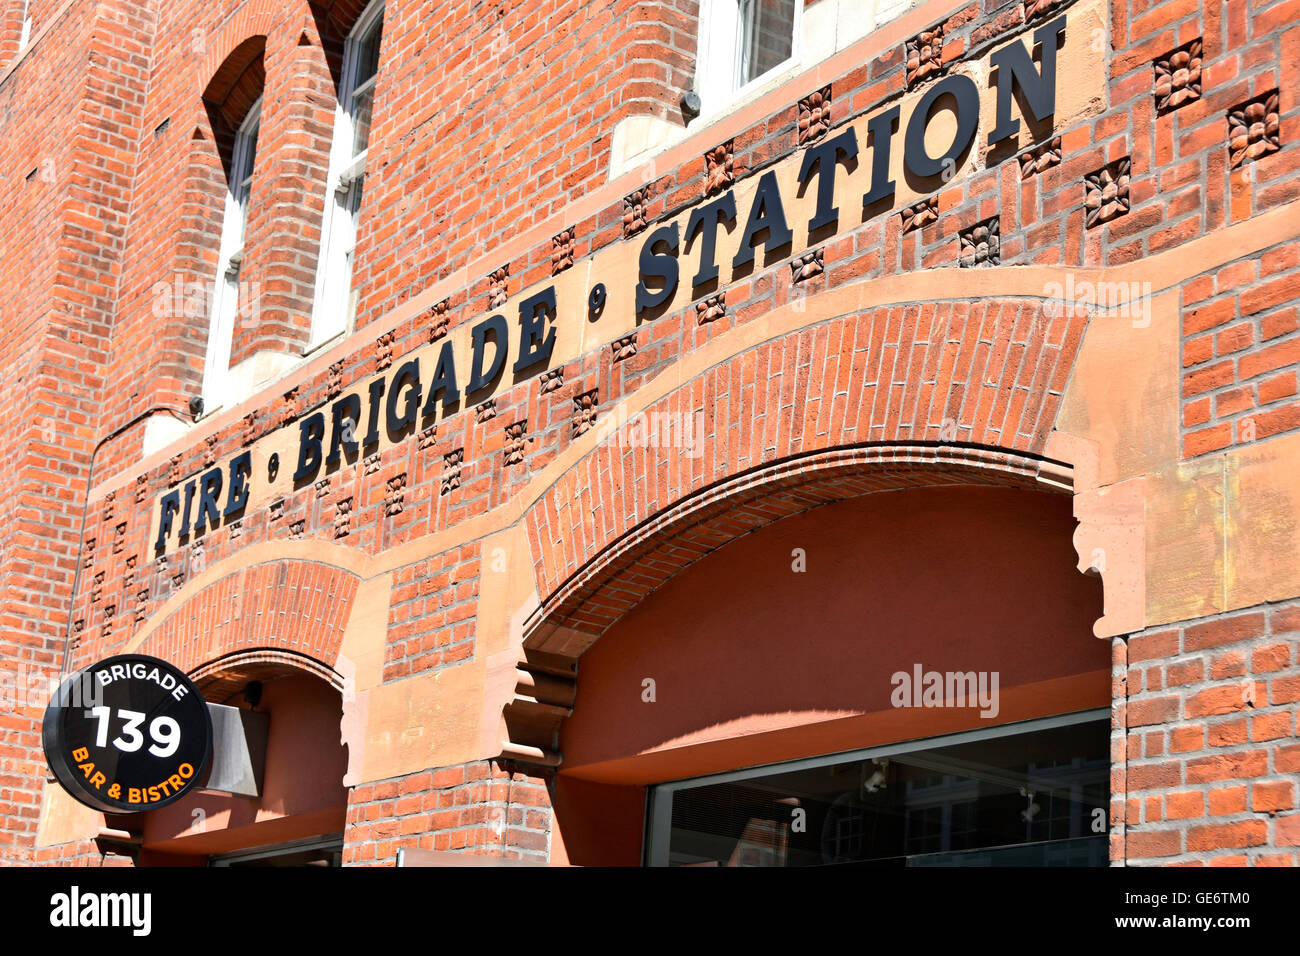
<point>897,396</point>
<point>294,606</point>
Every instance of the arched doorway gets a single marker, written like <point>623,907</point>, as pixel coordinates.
<point>299,811</point>
<point>793,662</point>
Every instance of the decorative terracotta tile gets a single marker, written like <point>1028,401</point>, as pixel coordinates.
<point>584,411</point>
<point>426,439</point>
<point>1040,158</point>
<point>277,509</point>
<point>635,211</point>
<point>979,244</point>
<point>97,588</point>
<point>174,470</point>
<point>384,351</point>
<point>815,115</point>
<point>1037,8</point>
<point>141,605</point>
<point>923,56</point>
<point>485,412</point>
<point>439,319</point>
<point>1178,77</point>
<point>497,283</point>
<point>88,554</point>
<point>119,538</point>
<point>78,629</point>
<point>236,528</point>
<point>1106,194</point>
<point>552,380</point>
<point>290,407</point>
<point>370,465</point>
<point>1254,129</point>
<point>343,518</point>
<point>711,309</point>
<point>210,450</point>
<point>451,465</point>
<point>395,495</point>
<point>516,442</point>
<point>297,529</point>
<point>248,433</point>
<point>141,488</point>
<point>322,488</point>
<point>921,214</point>
<point>128,573</point>
<point>719,168</point>
<point>109,499</point>
<point>625,347</point>
<point>808,266</point>
<point>562,251</point>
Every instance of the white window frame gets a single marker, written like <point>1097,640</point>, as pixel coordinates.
<point>719,55</point>
<point>225,295</point>
<point>335,298</point>
<point>27,25</point>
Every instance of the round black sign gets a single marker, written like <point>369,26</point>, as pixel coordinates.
<point>127,734</point>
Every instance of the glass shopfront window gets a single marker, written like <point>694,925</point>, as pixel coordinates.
<point>1029,794</point>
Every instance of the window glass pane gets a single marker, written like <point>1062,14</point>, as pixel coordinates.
<point>368,52</point>
<point>1028,799</point>
<point>361,104</point>
<point>766,37</point>
<point>363,85</point>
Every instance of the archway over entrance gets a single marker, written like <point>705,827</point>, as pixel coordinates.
<point>785,642</point>
<point>301,810</point>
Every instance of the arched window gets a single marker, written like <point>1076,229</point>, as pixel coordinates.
<point>335,297</point>
<point>226,297</point>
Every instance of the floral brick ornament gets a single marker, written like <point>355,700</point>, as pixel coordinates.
<point>1040,158</point>
<point>924,213</point>
<point>552,380</point>
<point>497,282</point>
<point>814,115</point>
<point>513,453</point>
<point>562,251</point>
<point>439,319</point>
<point>719,168</point>
<point>1106,194</point>
<point>635,211</point>
<point>1254,130</point>
<point>584,411</point>
<point>711,309</point>
<point>807,266</point>
<point>981,244</point>
<point>625,347</point>
<point>1178,77</point>
<point>924,56</point>
<point>451,466</point>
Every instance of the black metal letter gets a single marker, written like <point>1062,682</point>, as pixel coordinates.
<point>824,157</point>
<point>766,215</point>
<point>659,265</point>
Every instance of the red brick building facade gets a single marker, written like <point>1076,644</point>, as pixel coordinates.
<point>1009,290</point>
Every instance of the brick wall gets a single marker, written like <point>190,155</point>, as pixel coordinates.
<point>1212,755</point>
<point>484,807</point>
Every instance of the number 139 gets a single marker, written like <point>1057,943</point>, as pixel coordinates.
<point>164,731</point>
